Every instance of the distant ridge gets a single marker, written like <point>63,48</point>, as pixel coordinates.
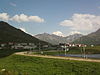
<point>54,39</point>
<point>9,33</point>
<point>92,38</point>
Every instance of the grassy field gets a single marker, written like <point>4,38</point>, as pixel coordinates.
<point>24,65</point>
<point>93,50</point>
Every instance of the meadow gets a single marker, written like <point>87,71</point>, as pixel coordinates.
<point>25,65</point>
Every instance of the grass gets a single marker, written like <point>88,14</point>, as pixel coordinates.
<point>8,52</point>
<point>25,65</point>
<point>93,50</point>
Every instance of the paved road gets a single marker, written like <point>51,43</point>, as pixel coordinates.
<point>57,57</point>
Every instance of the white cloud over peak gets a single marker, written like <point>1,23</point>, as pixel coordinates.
<point>21,18</point>
<point>4,16</point>
<point>82,22</point>
<point>58,33</point>
<point>74,32</point>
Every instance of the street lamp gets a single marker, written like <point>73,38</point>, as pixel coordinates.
<point>66,49</point>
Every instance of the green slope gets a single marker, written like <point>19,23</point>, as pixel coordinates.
<point>9,33</point>
<point>93,38</point>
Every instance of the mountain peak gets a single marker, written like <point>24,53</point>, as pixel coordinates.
<point>46,33</point>
<point>2,22</point>
<point>54,39</point>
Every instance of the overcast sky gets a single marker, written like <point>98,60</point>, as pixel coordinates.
<point>60,17</point>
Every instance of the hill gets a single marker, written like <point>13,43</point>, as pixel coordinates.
<point>54,39</point>
<point>9,33</point>
<point>92,38</point>
<point>73,37</point>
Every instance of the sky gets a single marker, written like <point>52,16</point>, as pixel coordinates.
<point>59,17</point>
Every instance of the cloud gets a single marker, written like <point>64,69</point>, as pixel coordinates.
<point>12,4</point>
<point>58,33</point>
<point>36,19</point>
<point>82,22</point>
<point>74,32</point>
<point>21,18</point>
<point>4,16</point>
<point>26,18</point>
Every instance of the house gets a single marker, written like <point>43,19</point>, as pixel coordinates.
<point>29,47</point>
<point>17,47</point>
<point>23,46</point>
<point>3,45</point>
<point>71,45</point>
<point>45,46</point>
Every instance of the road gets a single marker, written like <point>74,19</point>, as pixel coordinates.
<point>58,57</point>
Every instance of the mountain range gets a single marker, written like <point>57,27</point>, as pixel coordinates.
<point>92,38</point>
<point>8,33</point>
<point>54,39</point>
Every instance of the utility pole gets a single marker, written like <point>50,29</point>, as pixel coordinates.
<point>39,46</point>
<point>84,51</point>
<point>65,49</point>
<point>81,46</point>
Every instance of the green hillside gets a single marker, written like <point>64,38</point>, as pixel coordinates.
<point>9,33</point>
<point>93,38</point>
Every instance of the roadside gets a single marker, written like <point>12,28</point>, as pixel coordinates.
<point>58,57</point>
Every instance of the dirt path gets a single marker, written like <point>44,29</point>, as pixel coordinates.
<point>58,57</point>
